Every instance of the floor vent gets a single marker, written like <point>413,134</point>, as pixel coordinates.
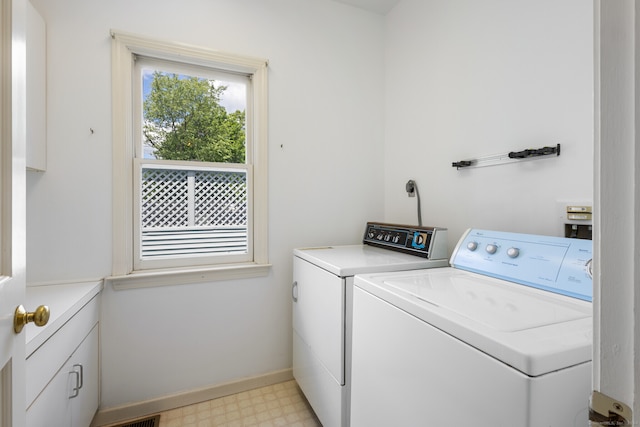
<point>152,421</point>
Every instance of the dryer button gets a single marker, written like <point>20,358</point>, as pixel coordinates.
<point>513,252</point>
<point>472,246</point>
<point>491,248</point>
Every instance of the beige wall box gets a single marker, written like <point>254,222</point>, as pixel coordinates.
<point>576,219</point>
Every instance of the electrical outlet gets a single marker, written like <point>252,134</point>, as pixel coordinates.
<point>575,219</point>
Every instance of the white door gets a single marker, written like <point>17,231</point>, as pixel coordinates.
<point>12,209</point>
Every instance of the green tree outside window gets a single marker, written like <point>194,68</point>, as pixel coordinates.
<point>183,120</point>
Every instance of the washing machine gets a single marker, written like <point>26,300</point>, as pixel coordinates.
<point>502,337</point>
<point>322,301</point>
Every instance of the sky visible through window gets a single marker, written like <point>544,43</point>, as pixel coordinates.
<point>234,98</point>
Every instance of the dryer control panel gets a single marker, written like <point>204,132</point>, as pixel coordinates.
<point>556,264</point>
<point>426,242</point>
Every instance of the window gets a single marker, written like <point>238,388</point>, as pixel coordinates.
<point>189,162</point>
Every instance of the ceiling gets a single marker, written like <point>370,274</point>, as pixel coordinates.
<point>376,6</point>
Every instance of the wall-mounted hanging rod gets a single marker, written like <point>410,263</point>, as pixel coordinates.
<point>544,151</point>
<point>513,156</point>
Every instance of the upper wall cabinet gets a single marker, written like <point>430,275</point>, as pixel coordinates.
<point>36,91</point>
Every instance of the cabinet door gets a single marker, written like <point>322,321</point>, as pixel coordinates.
<point>71,398</point>
<point>52,407</point>
<point>83,369</point>
<point>318,314</point>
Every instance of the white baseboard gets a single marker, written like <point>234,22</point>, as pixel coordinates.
<point>132,411</point>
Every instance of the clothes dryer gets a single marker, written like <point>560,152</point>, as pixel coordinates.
<point>322,299</point>
<point>501,338</point>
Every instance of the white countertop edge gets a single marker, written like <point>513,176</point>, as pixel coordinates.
<point>63,300</point>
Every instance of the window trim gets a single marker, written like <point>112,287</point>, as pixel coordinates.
<point>125,47</point>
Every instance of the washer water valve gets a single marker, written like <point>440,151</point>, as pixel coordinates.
<point>412,190</point>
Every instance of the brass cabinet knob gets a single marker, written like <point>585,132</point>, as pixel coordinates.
<point>40,317</point>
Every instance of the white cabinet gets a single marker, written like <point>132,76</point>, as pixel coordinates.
<point>71,398</point>
<point>62,364</point>
<point>36,90</point>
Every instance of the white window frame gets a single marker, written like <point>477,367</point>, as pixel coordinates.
<point>125,48</point>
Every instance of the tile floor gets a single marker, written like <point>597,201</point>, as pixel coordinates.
<point>276,405</point>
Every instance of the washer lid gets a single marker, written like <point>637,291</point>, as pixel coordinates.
<point>533,331</point>
<point>483,300</point>
<point>348,260</point>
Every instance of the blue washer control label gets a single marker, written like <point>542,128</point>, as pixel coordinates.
<point>556,264</point>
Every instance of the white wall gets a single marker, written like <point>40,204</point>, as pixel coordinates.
<point>471,78</point>
<point>325,148</point>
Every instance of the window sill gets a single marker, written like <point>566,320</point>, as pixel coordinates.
<point>168,277</point>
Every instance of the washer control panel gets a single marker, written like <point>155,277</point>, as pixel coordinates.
<point>557,264</point>
<point>426,242</point>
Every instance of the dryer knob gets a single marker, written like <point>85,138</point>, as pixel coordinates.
<point>472,246</point>
<point>513,252</point>
<point>491,248</point>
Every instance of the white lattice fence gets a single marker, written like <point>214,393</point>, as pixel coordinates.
<point>221,198</point>
<point>165,198</point>
<point>188,212</point>
<point>183,198</point>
